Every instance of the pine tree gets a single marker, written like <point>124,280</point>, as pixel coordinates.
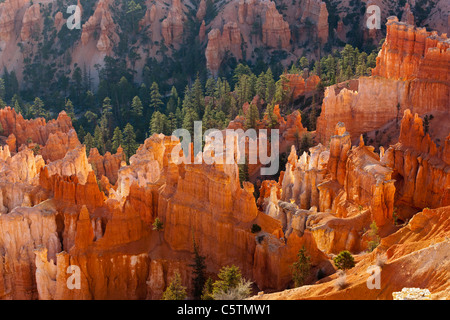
<point>129,141</point>
<point>136,107</point>
<point>16,105</point>
<point>175,290</point>
<point>270,86</point>
<point>344,260</point>
<point>252,117</point>
<point>155,97</point>
<point>99,140</point>
<point>198,97</point>
<point>199,267</point>
<point>70,109</point>
<point>174,101</point>
<point>230,277</point>
<point>2,89</point>
<point>207,293</point>
<point>89,142</point>
<point>158,123</point>
<point>301,268</point>
<point>117,139</point>
<point>261,86</point>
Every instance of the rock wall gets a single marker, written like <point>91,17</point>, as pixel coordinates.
<point>420,166</point>
<point>412,72</point>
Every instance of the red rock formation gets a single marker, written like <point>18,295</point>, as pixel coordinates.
<point>58,144</point>
<point>201,12</point>
<point>172,26</point>
<point>420,167</point>
<point>219,43</point>
<point>55,137</point>
<point>298,86</point>
<point>8,14</point>
<point>411,253</point>
<point>412,72</point>
<point>31,17</point>
<point>101,21</point>
<point>322,25</point>
<point>408,50</point>
<point>202,32</point>
<point>408,16</point>
<point>275,31</point>
<point>107,165</point>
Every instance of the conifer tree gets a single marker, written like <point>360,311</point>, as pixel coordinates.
<point>136,107</point>
<point>175,290</point>
<point>89,142</point>
<point>155,97</point>
<point>129,141</point>
<point>301,268</point>
<point>199,268</point>
<point>117,139</point>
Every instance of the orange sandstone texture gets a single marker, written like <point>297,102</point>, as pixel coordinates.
<point>412,72</point>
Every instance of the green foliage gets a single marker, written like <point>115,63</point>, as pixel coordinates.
<point>117,139</point>
<point>255,228</point>
<point>375,238</point>
<point>207,293</point>
<point>199,268</point>
<point>301,268</point>
<point>129,141</point>
<point>158,225</point>
<point>175,290</point>
<point>229,276</point>
<point>344,260</point>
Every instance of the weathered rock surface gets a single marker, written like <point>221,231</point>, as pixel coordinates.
<point>55,137</point>
<point>412,72</point>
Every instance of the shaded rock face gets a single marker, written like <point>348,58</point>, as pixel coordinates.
<point>275,31</point>
<point>101,22</point>
<point>31,17</point>
<point>221,42</point>
<point>172,25</point>
<point>412,72</point>
<point>421,168</point>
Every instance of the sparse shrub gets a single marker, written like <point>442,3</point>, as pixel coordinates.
<point>231,285</point>
<point>207,293</point>
<point>240,292</point>
<point>381,260</point>
<point>158,225</point>
<point>344,260</point>
<point>175,290</point>
<point>255,228</point>
<point>341,281</point>
<point>373,233</point>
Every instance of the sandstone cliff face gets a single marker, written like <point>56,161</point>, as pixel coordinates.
<point>412,72</point>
